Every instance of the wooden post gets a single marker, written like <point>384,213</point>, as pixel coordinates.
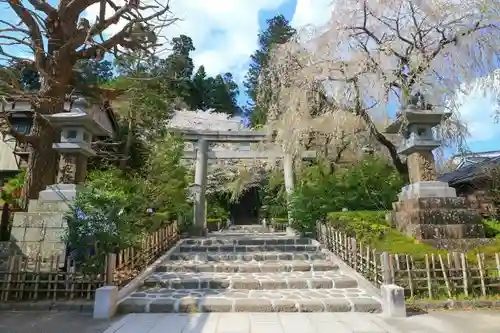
<point>445,276</point>
<point>386,268</point>
<point>410,280</point>
<point>110,268</point>
<point>464,274</point>
<point>354,252</point>
<point>428,273</point>
<point>497,261</point>
<point>481,274</point>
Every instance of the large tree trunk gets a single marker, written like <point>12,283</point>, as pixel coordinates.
<point>124,162</point>
<point>43,159</point>
<point>42,163</point>
<point>400,166</point>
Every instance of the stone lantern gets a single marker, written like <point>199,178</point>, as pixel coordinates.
<point>419,141</point>
<point>428,209</point>
<point>39,230</point>
<point>77,130</point>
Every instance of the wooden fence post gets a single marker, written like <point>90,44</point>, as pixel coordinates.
<point>110,268</point>
<point>354,252</point>
<point>386,268</point>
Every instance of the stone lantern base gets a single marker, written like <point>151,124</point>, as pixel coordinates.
<point>39,231</point>
<point>433,218</point>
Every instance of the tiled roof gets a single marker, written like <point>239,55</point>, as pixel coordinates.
<point>470,172</point>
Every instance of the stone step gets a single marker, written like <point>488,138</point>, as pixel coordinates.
<point>250,281</point>
<point>247,267</point>
<point>284,300</point>
<point>249,248</point>
<point>245,240</point>
<point>35,206</point>
<point>249,228</point>
<point>251,256</point>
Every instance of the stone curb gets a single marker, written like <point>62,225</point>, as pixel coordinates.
<point>248,248</point>
<point>242,256</point>
<point>451,304</point>
<point>249,267</point>
<point>195,305</point>
<point>66,306</point>
<point>251,283</point>
<point>247,241</point>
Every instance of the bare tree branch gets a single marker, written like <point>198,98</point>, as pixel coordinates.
<point>33,29</point>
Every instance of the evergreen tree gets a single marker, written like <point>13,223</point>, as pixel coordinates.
<point>278,31</point>
<point>199,90</point>
<point>223,94</point>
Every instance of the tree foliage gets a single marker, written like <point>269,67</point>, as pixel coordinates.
<point>373,55</point>
<point>278,31</point>
<point>112,214</point>
<point>370,185</point>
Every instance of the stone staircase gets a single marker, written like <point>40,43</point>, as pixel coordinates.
<point>250,272</point>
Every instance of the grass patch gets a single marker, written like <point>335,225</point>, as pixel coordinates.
<point>371,228</point>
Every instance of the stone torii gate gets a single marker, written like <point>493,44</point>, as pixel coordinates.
<point>201,154</point>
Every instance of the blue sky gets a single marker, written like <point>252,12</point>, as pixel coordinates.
<point>225,35</point>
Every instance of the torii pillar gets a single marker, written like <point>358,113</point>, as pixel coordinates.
<point>200,180</point>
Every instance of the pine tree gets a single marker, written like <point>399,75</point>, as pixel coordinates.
<point>278,31</point>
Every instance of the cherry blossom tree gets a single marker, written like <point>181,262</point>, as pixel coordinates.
<point>51,39</point>
<point>374,56</point>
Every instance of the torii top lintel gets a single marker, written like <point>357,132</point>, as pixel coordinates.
<point>220,136</point>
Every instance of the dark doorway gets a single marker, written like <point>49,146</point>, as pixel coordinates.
<point>246,210</point>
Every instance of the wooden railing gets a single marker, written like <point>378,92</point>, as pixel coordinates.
<point>127,263</point>
<point>435,275</point>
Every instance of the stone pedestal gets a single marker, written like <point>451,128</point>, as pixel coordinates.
<point>39,231</point>
<point>429,210</point>
<point>437,218</point>
<point>421,166</point>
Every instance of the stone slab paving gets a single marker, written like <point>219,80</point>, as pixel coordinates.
<point>249,248</point>
<point>284,300</point>
<point>253,323</point>
<point>271,280</point>
<point>248,266</point>
<point>255,256</point>
<point>270,239</point>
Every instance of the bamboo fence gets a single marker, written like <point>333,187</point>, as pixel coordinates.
<point>38,277</point>
<point>433,276</point>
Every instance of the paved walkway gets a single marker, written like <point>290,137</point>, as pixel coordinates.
<point>322,322</point>
<point>319,322</point>
<point>51,322</point>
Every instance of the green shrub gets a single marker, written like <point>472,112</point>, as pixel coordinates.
<point>371,228</point>
<point>492,228</point>
<point>367,226</point>
<point>370,185</point>
<point>107,216</point>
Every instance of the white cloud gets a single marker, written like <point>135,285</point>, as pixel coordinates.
<point>224,32</point>
<point>313,12</point>
<point>477,110</point>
